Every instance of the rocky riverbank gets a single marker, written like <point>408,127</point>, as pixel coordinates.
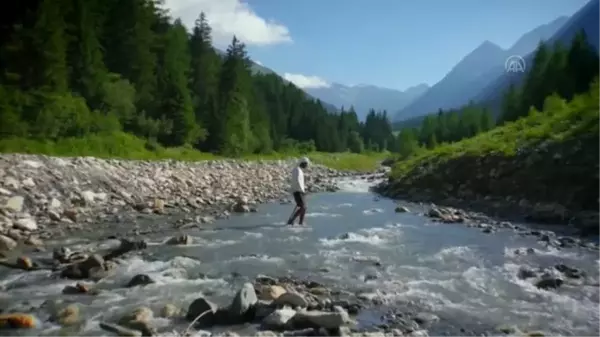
<point>282,306</point>
<point>541,169</point>
<point>487,214</point>
<point>43,197</point>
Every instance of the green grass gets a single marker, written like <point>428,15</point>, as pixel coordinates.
<point>126,146</point>
<point>118,145</point>
<point>344,161</point>
<point>366,162</point>
<point>560,122</point>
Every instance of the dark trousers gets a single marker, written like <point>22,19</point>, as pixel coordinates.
<point>299,198</point>
<point>301,205</point>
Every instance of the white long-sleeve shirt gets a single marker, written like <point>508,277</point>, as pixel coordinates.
<point>297,180</point>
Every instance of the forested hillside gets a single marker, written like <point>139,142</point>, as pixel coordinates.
<point>445,127</point>
<point>542,157</point>
<point>557,69</point>
<point>77,69</point>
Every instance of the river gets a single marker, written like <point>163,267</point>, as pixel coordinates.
<point>464,276</point>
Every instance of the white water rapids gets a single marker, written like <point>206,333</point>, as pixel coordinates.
<point>466,277</point>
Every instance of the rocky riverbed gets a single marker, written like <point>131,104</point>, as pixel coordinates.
<point>584,223</point>
<point>47,198</point>
<point>43,197</point>
<point>152,264</point>
<point>421,270</point>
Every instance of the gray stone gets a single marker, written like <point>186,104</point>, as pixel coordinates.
<point>227,334</point>
<point>425,318</point>
<point>401,209</point>
<point>322,319</point>
<point>243,301</point>
<point>198,307</point>
<point>292,299</point>
<point>279,318</point>
<point>120,330</point>
<point>418,333</point>
<point>7,243</point>
<point>263,309</point>
<point>266,333</point>
<point>179,240</point>
<point>26,224</point>
<point>15,203</point>
<point>28,182</point>
<point>12,183</point>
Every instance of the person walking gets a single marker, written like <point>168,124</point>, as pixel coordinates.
<point>299,191</point>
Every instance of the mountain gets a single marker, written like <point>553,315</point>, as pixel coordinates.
<point>457,86</point>
<point>364,97</point>
<point>543,32</point>
<point>586,18</point>
<point>475,71</point>
<point>256,68</point>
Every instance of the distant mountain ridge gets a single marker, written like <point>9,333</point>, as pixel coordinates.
<point>474,72</point>
<point>585,19</point>
<point>364,97</point>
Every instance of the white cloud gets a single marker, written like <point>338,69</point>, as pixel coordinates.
<point>228,18</point>
<point>258,62</point>
<point>306,82</point>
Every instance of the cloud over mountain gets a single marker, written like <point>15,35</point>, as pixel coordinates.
<point>228,18</point>
<point>306,82</point>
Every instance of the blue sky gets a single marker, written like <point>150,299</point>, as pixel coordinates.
<point>388,43</point>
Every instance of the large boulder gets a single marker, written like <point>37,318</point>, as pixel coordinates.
<point>243,303</point>
<point>204,307</point>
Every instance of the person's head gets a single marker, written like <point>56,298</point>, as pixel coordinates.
<point>304,161</point>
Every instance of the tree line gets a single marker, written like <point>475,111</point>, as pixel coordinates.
<point>447,126</point>
<point>555,71</point>
<point>72,68</point>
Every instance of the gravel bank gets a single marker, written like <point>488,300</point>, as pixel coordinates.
<point>43,197</point>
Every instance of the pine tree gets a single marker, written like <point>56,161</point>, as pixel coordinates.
<point>259,120</point>
<point>355,142</point>
<point>582,63</point>
<point>535,86</point>
<point>50,46</point>
<point>175,101</point>
<point>88,72</point>
<point>487,120</point>
<point>427,129</point>
<point>11,123</point>
<point>234,135</point>
<point>269,97</point>
<point>556,72</point>
<point>407,142</point>
<point>453,125</point>
<point>204,74</point>
<point>432,141</point>
<point>511,104</point>
<point>130,44</point>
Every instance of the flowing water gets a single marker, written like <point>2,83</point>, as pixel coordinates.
<point>465,277</point>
